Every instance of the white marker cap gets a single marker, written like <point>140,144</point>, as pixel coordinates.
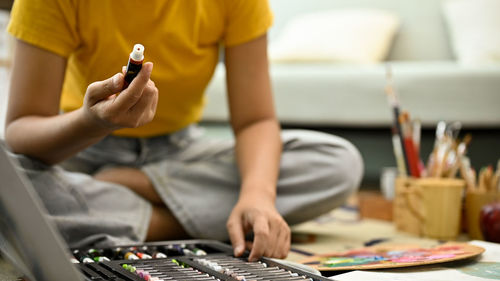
<point>137,53</point>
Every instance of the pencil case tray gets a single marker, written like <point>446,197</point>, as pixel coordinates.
<point>181,265</point>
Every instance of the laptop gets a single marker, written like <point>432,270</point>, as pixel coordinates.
<point>33,245</point>
<point>26,236</point>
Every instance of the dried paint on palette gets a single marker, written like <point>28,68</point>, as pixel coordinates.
<point>392,256</point>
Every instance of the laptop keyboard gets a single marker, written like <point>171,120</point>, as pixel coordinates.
<point>198,260</point>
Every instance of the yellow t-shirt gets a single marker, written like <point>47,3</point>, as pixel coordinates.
<point>181,38</point>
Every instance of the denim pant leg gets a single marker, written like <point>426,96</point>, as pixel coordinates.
<point>201,182</point>
<point>87,211</point>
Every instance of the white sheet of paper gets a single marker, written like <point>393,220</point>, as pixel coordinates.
<point>492,253</point>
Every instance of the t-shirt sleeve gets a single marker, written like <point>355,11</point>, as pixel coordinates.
<point>47,24</point>
<point>246,20</point>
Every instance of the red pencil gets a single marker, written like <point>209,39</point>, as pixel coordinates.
<point>409,145</point>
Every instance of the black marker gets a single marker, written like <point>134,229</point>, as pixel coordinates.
<point>134,64</point>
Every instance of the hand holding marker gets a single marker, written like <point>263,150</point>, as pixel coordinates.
<point>126,100</point>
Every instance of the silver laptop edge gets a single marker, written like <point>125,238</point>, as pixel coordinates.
<point>28,239</point>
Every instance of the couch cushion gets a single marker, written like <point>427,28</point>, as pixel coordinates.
<point>347,95</point>
<point>474,28</point>
<point>422,35</point>
<point>346,35</point>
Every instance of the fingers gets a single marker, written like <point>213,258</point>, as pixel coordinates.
<point>261,238</point>
<point>131,108</point>
<point>146,106</point>
<point>236,234</point>
<point>271,238</point>
<point>142,77</point>
<point>288,243</point>
<point>129,97</point>
<point>155,103</point>
<point>249,245</point>
<point>102,89</point>
<point>271,232</point>
<point>283,242</point>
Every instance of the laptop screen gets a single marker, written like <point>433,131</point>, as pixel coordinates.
<point>28,239</point>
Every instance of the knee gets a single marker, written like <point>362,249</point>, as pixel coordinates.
<point>320,171</point>
<point>348,165</point>
<point>345,164</point>
<point>335,162</point>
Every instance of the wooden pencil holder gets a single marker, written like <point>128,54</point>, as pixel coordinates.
<point>406,206</point>
<point>474,201</point>
<point>429,207</point>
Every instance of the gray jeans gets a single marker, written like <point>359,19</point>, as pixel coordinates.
<point>196,177</point>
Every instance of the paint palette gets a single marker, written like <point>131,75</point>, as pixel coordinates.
<point>392,256</point>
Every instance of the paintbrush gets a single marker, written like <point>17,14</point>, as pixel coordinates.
<point>467,174</point>
<point>460,152</point>
<point>393,101</point>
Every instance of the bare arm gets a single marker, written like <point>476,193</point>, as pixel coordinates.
<point>34,126</point>
<point>258,150</point>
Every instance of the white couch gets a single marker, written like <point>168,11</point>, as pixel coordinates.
<point>432,85</point>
